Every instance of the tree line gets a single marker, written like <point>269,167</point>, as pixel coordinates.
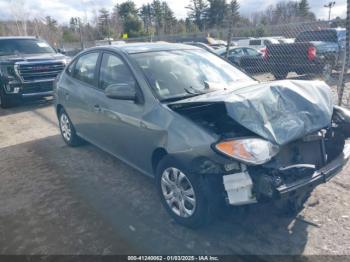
<point>157,18</point>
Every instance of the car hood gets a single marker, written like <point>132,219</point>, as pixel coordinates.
<point>31,57</point>
<point>280,111</point>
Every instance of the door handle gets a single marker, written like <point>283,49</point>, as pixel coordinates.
<point>97,108</point>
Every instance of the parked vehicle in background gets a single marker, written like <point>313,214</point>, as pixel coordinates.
<point>249,59</point>
<point>209,134</point>
<point>314,52</point>
<point>201,45</point>
<point>286,40</point>
<point>258,43</point>
<point>210,41</point>
<point>28,68</point>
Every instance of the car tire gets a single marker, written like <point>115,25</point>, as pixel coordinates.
<point>280,75</point>
<point>67,130</point>
<point>195,214</point>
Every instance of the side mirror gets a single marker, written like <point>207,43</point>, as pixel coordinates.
<point>61,51</point>
<point>121,91</point>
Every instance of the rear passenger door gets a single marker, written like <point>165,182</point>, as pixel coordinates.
<point>79,91</point>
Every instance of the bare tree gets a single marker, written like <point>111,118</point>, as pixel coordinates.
<point>21,15</point>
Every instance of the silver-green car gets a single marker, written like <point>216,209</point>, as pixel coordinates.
<point>209,134</point>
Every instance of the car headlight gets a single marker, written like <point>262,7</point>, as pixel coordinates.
<point>253,151</point>
<point>67,60</point>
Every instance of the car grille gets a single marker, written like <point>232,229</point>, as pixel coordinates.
<point>33,72</point>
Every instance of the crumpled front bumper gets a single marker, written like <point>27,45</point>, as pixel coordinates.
<point>320,176</point>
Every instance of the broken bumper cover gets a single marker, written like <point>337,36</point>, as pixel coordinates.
<point>320,176</point>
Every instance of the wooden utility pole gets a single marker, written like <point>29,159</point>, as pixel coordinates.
<point>330,5</point>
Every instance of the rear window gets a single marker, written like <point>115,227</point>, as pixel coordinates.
<point>324,36</point>
<point>255,42</point>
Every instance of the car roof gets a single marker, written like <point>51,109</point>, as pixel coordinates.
<point>149,47</point>
<point>223,49</point>
<point>16,37</point>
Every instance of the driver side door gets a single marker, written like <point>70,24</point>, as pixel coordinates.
<point>119,120</point>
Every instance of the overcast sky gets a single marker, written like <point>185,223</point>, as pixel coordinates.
<point>62,10</point>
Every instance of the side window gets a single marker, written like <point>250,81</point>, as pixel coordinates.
<point>237,52</point>
<point>252,52</point>
<point>114,71</point>
<point>70,68</point>
<point>255,42</point>
<point>84,69</point>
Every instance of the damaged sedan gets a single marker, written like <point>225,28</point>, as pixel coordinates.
<point>209,134</point>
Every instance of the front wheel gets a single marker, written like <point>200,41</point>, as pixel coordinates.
<point>183,194</point>
<point>67,130</point>
<point>5,100</point>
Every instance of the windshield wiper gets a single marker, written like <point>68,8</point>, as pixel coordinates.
<point>180,97</point>
<point>191,93</point>
<point>194,91</point>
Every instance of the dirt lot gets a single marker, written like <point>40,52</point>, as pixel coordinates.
<point>60,200</point>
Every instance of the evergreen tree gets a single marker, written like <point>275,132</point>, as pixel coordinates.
<point>232,18</point>
<point>169,19</point>
<point>146,16</point>
<point>303,9</point>
<point>127,9</point>
<point>216,13</point>
<point>158,16</point>
<point>197,12</point>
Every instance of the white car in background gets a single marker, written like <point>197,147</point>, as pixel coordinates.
<point>258,43</point>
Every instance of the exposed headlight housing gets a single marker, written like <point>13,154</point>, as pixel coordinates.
<point>254,151</point>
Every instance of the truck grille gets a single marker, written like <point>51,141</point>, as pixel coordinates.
<point>31,72</point>
<point>37,87</point>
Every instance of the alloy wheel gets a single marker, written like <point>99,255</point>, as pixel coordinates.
<point>65,127</point>
<point>178,192</point>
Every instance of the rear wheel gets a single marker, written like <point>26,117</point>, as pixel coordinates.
<point>183,194</point>
<point>67,130</point>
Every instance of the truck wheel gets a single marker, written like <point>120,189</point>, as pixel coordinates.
<point>67,130</point>
<point>5,100</point>
<point>280,75</point>
<point>183,195</point>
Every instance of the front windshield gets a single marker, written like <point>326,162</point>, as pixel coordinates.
<point>24,46</point>
<point>181,73</point>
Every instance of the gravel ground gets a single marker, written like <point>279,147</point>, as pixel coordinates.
<point>60,200</point>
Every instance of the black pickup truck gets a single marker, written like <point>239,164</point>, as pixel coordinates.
<point>314,52</point>
<point>28,68</point>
